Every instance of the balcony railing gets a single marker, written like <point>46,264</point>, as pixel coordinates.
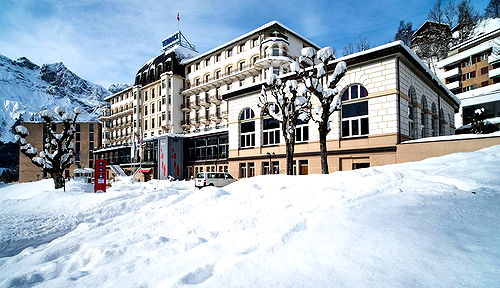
<point>239,69</point>
<point>451,73</point>
<point>185,107</point>
<point>494,72</point>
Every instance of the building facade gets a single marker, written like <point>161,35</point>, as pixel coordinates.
<point>472,72</point>
<point>210,100</point>
<point>86,139</point>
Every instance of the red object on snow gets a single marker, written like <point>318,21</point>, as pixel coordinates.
<point>145,170</point>
<point>100,176</point>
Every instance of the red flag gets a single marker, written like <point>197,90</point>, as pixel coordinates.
<point>178,17</point>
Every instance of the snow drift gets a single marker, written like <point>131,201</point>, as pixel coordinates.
<point>432,223</point>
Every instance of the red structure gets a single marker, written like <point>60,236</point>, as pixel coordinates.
<point>100,176</point>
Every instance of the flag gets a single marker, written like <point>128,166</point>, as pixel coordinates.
<point>178,17</point>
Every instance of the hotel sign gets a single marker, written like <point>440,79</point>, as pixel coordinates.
<point>171,41</point>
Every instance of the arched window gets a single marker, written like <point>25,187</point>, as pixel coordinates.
<point>197,81</point>
<point>254,59</point>
<point>241,65</point>
<point>207,77</point>
<point>442,122</point>
<point>423,117</point>
<point>247,128</point>
<point>354,115</point>
<point>270,127</point>
<point>276,51</point>
<point>434,120</point>
<point>412,115</point>
<point>229,70</point>
<point>217,74</point>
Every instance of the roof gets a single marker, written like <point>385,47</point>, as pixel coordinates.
<point>428,22</point>
<point>263,27</point>
<point>118,93</point>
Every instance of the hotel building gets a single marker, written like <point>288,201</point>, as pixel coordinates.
<point>208,102</point>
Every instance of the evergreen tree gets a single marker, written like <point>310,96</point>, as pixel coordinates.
<point>404,32</point>
<point>493,9</point>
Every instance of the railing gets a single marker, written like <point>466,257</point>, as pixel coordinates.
<point>222,75</point>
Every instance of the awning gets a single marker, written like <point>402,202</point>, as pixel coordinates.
<point>145,170</point>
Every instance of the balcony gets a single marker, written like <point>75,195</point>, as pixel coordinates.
<point>494,72</point>
<point>493,58</point>
<point>205,120</point>
<point>195,122</point>
<point>224,114</point>
<point>195,104</point>
<point>451,73</point>
<point>204,100</point>
<point>215,99</point>
<point>165,124</point>
<point>185,107</point>
<point>185,124</point>
<point>215,117</point>
<point>453,85</point>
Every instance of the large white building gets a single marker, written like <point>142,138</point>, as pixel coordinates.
<point>210,99</point>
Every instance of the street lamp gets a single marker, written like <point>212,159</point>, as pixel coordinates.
<point>270,155</point>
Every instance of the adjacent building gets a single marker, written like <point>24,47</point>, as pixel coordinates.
<point>472,72</point>
<point>86,139</point>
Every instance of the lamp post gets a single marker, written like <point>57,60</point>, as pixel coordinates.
<point>270,155</point>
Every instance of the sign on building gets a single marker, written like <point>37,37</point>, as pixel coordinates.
<point>170,158</point>
<point>100,176</point>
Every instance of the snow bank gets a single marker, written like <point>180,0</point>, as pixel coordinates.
<point>453,137</point>
<point>424,224</point>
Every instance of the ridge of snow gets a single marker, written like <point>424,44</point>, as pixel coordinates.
<point>421,224</point>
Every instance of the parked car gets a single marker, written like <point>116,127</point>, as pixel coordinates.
<point>217,179</point>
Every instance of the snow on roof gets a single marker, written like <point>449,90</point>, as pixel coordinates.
<point>118,93</point>
<point>453,137</point>
<point>412,54</point>
<point>427,21</point>
<point>469,52</point>
<point>187,61</point>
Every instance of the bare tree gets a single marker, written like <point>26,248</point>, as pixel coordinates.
<point>493,9</point>
<point>404,32</point>
<point>283,102</point>
<point>436,14</point>
<point>321,84</point>
<point>450,12</point>
<point>467,19</point>
<point>362,44</point>
<point>58,149</point>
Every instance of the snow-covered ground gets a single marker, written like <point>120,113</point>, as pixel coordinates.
<point>433,223</point>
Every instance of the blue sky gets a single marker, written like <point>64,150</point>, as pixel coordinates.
<point>107,41</point>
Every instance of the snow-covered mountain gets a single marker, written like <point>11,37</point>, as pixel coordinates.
<point>117,87</point>
<point>26,89</point>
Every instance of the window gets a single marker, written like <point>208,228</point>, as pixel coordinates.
<point>152,123</point>
<point>276,51</point>
<point>483,57</point>
<point>229,86</point>
<point>276,70</point>
<point>484,70</point>
<point>152,93</point>
<point>354,115</point>
<point>242,47</point>
<point>265,168</point>
<point>152,108</point>
<point>354,92</point>
<point>423,117</point>
<point>217,57</point>
<point>255,42</point>
<point>145,95</point>
<point>275,167</point>
<point>207,62</point>
<point>207,78</point>
<point>145,124</point>
<point>412,120</point>
<point>270,132</point>
<point>91,127</point>
<point>197,66</point>
<point>91,136</point>
<point>301,131</point>
<point>230,52</point>
<point>247,128</point>
<point>469,88</point>
<point>229,70</point>
<point>217,74</point>
<point>145,110</point>
<point>442,130</point>
<point>254,59</point>
<point>242,65</point>
<point>303,167</point>
<point>434,122</point>
<point>197,81</point>
<point>468,75</point>
<point>467,63</point>
<point>243,170</point>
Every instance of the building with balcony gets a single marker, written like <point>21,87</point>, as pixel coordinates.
<point>203,107</point>
<point>471,71</point>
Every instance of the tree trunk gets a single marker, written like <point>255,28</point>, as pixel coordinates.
<point>58,180</point>
<point>289,157</point>
<point>323,131</point>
